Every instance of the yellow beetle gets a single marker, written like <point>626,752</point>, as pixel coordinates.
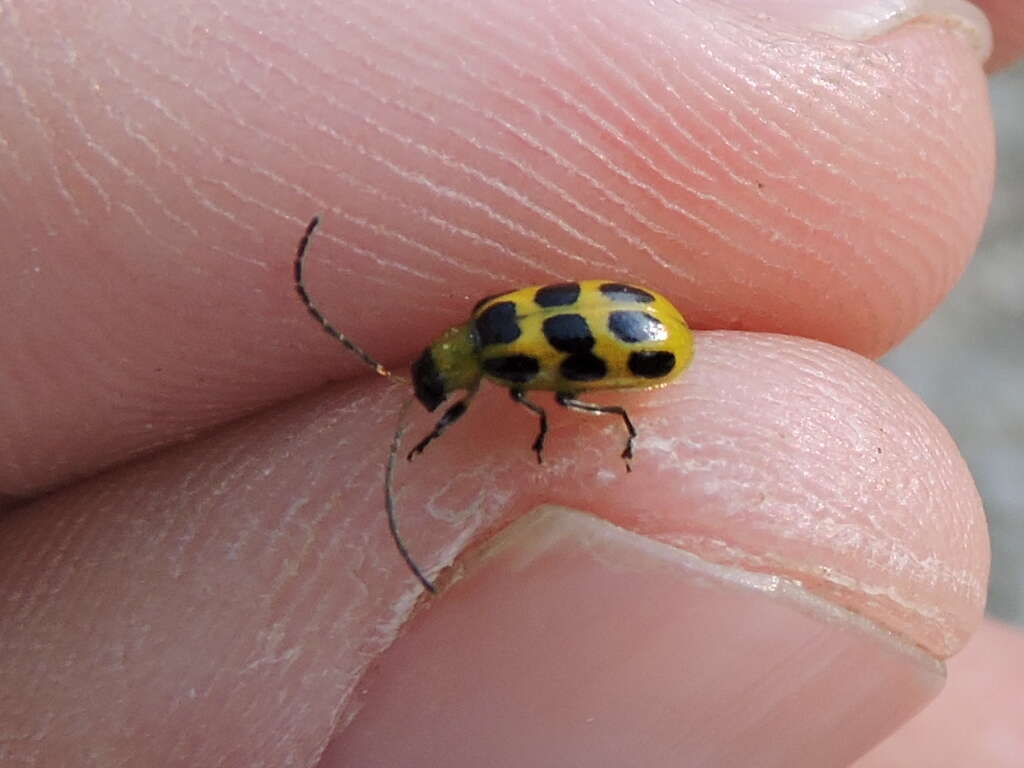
<point>566,338</point>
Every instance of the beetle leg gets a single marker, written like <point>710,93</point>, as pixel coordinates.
<point>450,417</point>
<point>538,444</point>
<point>567,400</point>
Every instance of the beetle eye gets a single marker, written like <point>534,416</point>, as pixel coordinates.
<point>427,382</point>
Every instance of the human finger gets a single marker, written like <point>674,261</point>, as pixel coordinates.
<point>225,598</point>
<point>766,176</point>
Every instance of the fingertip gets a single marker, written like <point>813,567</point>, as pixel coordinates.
<point>773,454</point>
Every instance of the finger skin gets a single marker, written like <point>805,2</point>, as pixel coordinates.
<point>223,599</point>
<point>162,171</point>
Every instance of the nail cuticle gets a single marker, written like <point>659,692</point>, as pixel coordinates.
<point>874,19</point>
<point>567,636</point>
<point>549,527</point>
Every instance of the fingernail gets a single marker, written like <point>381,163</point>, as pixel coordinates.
<point>865,20</point>
<point>570,641</point>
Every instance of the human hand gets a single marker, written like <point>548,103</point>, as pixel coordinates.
<point>221,601</point>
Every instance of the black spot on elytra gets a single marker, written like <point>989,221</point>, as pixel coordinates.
<point>632,326</point>
<point>516,368</point>
<point>623,292</point>
<point>484,300</point>
<point>583,367</point>
<point>652,365</point>
<point>568,333</point>
<point>558,295</point>
<point>497,324</point>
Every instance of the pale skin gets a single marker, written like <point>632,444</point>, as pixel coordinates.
<point>220,601</point>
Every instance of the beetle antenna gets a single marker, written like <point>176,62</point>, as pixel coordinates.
<point>389,500</point>
<point>300,287</point>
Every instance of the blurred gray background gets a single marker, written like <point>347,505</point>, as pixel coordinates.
<point>967,360</point>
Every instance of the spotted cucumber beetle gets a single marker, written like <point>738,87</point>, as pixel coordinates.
<point>566,338</point>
